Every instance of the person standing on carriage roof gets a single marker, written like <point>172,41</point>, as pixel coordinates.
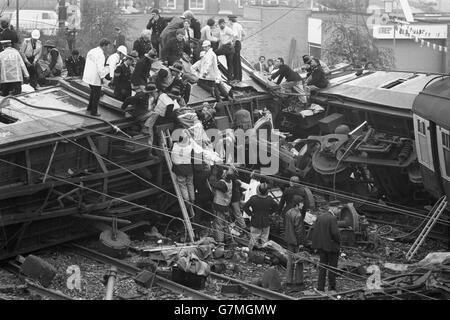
<point>13,71</point>
<point>122,77</point>
<point>156,24</point>
<point>94,74</point>
<point>239,34</point>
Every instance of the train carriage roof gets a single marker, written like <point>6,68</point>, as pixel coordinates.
<point>391,90</point>
<point>434,102</point>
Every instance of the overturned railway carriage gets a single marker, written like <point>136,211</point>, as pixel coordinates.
<point>432,133</point>
<point>65,175</point>
<point>379,159</point>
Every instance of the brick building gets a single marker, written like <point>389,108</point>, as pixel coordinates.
<point>202,7</point>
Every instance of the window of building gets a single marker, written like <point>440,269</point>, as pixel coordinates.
<point>168,4</point>
<point>197,4</point>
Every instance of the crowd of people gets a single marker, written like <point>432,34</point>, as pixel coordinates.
<point>31,62</point>
<point>165,61</point>
<point>290,80</point>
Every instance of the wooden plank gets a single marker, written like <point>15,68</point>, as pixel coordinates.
<point>29,172</point>
<point>20,218</point>
<point>176,186</point>
<point>27,190</point>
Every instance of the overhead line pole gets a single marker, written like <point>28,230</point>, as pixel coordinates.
<point>17,15</point>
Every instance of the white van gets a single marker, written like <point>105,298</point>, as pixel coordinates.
<point>43,20</point>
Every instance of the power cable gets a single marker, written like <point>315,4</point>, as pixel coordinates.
<point>160,213</point>
<point>316,188</point>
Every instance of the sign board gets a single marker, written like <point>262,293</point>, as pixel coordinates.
<point>314,31</point>
<point>435,31</point>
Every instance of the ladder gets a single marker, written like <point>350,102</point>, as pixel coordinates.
<point>436,212</point>
<point>166,143</point>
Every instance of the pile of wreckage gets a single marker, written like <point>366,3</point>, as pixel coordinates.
<point>371,275</point>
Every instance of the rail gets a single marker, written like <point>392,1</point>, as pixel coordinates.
<point>44,292</point>
<point>134,271</point>
<point>258,291</point>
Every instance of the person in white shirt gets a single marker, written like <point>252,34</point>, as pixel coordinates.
<point>239,35</point>
<point>13,71</point>
<point>94,73</point>
<point>207,33</point>
<point>208,72</point>
<point>261,66</point>
<point>115,59</point>
<point>226,47</point>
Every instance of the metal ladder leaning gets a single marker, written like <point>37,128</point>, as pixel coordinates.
<point>437,211</point>
<point>166,143</point>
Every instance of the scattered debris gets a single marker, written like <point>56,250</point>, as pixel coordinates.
<point>271,280</point>
<point>37,269</point>
<point>235,289</point>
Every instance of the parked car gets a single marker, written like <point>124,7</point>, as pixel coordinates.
<point>44,20</point>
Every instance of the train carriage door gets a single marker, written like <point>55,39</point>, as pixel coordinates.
<point>443,139</point>
<point>423,142</point>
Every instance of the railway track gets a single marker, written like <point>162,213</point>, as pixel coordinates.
<point>44,292</point>
<point>134,271</point>
<point>173,286</point>
<point>32,286</point>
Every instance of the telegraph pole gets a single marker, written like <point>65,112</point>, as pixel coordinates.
<point>17,15</point>
<point>62,15</point>
<point>447,54</point>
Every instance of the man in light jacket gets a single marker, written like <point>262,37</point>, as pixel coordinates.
<point>210,78</point>
<point>12,70</point>
<point>31,50</point>
<point>94,73</point>
<point>114,61</point>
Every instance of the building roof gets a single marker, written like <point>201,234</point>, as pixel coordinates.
<point>434,102</point>
<point>388,89</point>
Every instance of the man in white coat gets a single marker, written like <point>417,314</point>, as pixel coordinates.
<point>94,73</point>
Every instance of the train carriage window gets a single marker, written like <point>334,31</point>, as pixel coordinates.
<point>423,142</point>
<point>444,152</point>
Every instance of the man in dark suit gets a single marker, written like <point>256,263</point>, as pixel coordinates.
<point>261,65</point>
<point>286,202</point>
<point>157,24</point>
<point>285,72</point>
<point>174,50</point>
<point>326,239</point>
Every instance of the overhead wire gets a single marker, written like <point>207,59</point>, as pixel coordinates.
<point>330,269</point>
<point>316,188</point>
<point>135,175</point>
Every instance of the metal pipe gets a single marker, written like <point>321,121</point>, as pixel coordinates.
<point>111,275</point>
<point>103,219</point>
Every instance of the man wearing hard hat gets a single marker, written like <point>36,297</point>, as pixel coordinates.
<point>114,60</point>
<point>31,51</point>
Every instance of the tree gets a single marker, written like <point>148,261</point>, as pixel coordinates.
<point>99,18</point>
<point>349,39</point>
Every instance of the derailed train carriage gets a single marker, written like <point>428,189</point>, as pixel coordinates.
<point>432,134</point>
<point>364,142</point>
<point>65,175</point>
